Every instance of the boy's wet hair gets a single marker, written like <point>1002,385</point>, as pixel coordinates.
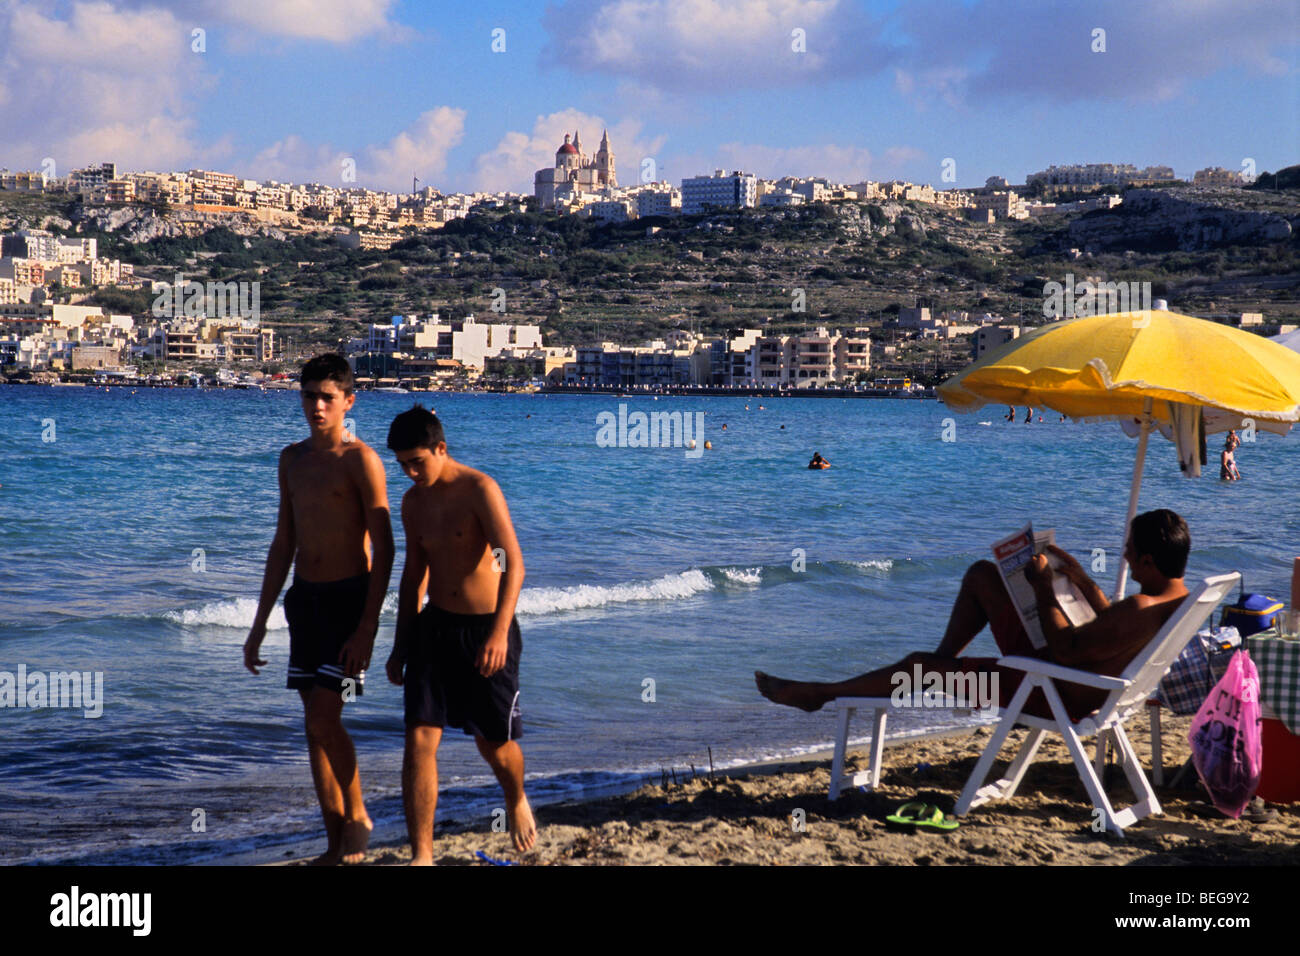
<point>415,428</point>
<point>1163,535</point>
<point>331,366</point>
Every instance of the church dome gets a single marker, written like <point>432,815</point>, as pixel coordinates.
<point>567,148</point>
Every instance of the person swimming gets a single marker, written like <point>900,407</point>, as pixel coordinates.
<point>818,462</point>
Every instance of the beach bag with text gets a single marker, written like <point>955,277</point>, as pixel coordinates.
<point>1225,737</point>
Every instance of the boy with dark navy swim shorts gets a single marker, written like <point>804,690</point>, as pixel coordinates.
<point>458,658</point>
<point>333,514</point>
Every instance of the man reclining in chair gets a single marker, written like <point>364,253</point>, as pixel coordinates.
<point>1156,551</point>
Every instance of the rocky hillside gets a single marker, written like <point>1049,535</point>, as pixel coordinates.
<point>1190,220</point>
<point>841,265</point>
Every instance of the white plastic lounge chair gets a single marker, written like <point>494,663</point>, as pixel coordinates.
<point>1128,695</point>
<point>879,708</point>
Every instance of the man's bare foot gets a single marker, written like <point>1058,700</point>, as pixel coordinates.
<point>523,828</point>
<point>356,837</point>
<point>421,861</point>
<point>329,858</point>
<point>789,692</point>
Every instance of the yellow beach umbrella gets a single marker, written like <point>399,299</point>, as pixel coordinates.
<point>1150,366</point>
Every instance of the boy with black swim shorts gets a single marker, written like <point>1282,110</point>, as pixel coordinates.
<point>333,503</point>
<point>458,658</point>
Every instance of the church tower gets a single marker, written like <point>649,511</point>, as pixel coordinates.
<point>605,162</point>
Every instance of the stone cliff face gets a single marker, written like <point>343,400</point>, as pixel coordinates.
<point>143,223</point>
<point>856,222</point>
<point>1154,220</point>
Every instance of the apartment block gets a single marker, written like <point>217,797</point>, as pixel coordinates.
<point>853,353</point>
<point>213,340</point>
<point>31,182</point>
<point>1217,176</point>
<point>1099,174</point>
<point>991,336</point>
<point>22,271</point>
<point>722,190</point>
<point>1004,204</point>
<point>812,358</point>
<point>654,201</point>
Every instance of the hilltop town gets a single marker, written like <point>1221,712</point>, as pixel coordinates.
<point>726,280</point>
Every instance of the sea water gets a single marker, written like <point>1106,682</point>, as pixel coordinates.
<point>134,527</point>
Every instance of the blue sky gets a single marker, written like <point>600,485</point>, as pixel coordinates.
<point>847,89</point>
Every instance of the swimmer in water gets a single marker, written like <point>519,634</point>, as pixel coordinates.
<point>1228,463</point>
<point>818,461</point>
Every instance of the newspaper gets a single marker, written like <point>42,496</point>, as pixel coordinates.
<point>1011,555</point>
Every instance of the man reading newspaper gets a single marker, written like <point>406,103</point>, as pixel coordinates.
<point>1157,548</point>
<point>1014,559</point>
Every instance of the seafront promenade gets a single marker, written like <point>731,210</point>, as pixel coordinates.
<point>711,391</point>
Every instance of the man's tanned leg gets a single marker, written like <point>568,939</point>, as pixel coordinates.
<point>982,597</point>
<point>507,762</point>
<point>338,784</point>
<point>420,789</point>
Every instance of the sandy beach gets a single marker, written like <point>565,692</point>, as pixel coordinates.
<point>747,817</point>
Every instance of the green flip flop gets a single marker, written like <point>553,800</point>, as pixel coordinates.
<point>916,815</point>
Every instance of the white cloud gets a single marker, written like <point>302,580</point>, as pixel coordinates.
<point>294,160</point>
<point>517,156</point>
<point>948,51</point>
<point>327,21</point>
<point>118,81</point>
<point>101,85</point>
<point>420,150</point>
<point>334,21</point>
<point>1153,51</point>
<point>688,44</point>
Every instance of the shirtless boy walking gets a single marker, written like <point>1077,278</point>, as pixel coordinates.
<point>333,505</point>
<point>458,658</point>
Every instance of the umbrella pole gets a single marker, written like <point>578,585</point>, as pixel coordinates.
<point>1122,578</point>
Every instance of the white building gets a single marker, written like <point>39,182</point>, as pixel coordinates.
<point>466,341</point>
<point>658,201</point>
<point>611,210</point>
<point>738,190</point>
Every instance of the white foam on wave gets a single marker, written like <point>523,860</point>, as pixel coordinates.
<point>670,587</point>
<point>239,613</point>
<point>744,575</point>
<point>881,564</point>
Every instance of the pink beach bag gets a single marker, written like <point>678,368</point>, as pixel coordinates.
<point>1225,737</point>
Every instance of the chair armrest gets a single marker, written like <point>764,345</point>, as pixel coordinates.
<point>1032,665</point>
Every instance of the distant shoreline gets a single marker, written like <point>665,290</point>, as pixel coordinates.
<point>708,391</point>
<point>723,391</point>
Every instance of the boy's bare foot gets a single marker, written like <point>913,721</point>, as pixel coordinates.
<point>329,858</point>
<point>523,828</point>
<point>422,861</point>
<point>788,692</point>
<point>356,837</point>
